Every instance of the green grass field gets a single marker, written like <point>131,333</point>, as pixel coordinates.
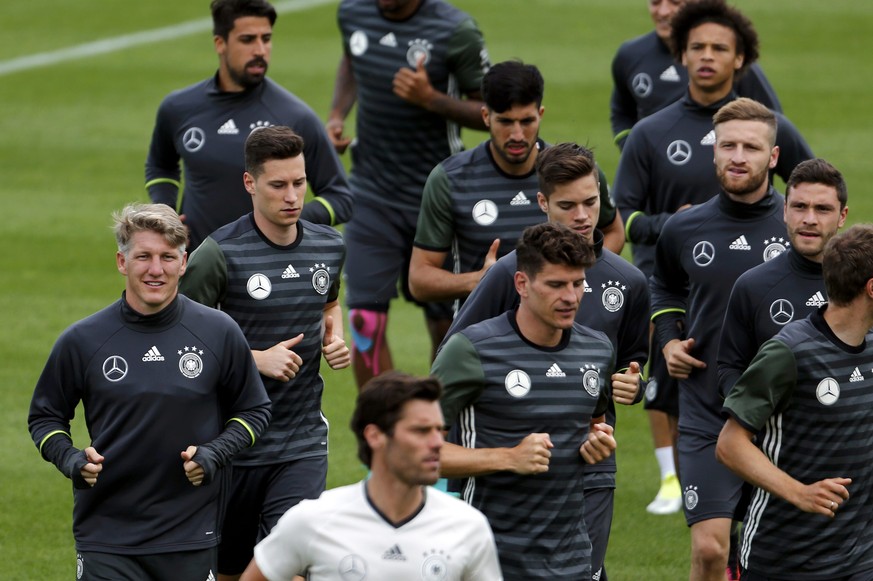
<point>73,138</point>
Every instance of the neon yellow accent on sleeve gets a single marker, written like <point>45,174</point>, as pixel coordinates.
<point>628,224</point>
<point>246,426</point>
<point>664,311</point>
<point>327,205</point>
<point>49,435</point>
<point>621,135</point>
<point>157,181</point>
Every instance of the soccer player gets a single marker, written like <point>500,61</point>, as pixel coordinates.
<point>392,526</point>
<point>476,203</point>
<point>278,277</point>
<point>646,76</point>
<point>700,254</point>
<point>617,304</point>
<point>206,125</point>
<point>528,390</point>
<point>170,393</point>
<point>407,64</point>
<point>665,166</point>
<point>805,395</point>
<point>790,286</point>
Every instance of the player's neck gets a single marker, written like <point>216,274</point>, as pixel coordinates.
<point>850,323</point>
<point>403,13</point>
<point>396,500</point>
<point>708,97</point>
<point>279,235</point>
<point>536,330</point>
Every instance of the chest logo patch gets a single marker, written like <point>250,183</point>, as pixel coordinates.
<point>703,253</point>
<point>193,139</point>
<point>781,311</point>
<point>115,368</point>
<point>612,297</point>
<point>816,300</point>
<point>773,247</point>
<point>352,568</point>
<point>190,363</point>
<point>435,567</point>
<point>418,48</point>
<point>642,85</point>
<point>709,138</point>
<point>320,278</point>
<point>670,74</point>
<point>358,43</point>
<point>485,212</point>
<point>259,286</point>
<point>517,383</point>
<point>679,152</point>
<point>591,380</point>
<point>828,391</point>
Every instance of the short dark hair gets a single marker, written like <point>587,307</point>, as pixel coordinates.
<point>552,243</point>
<point>847,264</point>
<point>381,402</point>
<point>818,171</point>
<point>512,83</point>
<point>745,109</point>
<point>268,143</point>
<point>564,163</point>
<point>225,13</point>
<point>693,14</point>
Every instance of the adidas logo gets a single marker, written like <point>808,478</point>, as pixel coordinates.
<point>856,376</point>
<point>290,273</point>
<point>519,200</point>
<point>740,244</point>
<point>211,576</point>
<point>388,40</point>
<point>229,128</point>
<point>816,300</point>
<point>709,138</point>
<point>394,554</point>
<point>585,287</point>
<point>153,355</point>
<point>670,74</point>
<point>555,371</point>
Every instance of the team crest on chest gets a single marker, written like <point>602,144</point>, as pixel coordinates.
<point>435,566</point>
<point>259,286</point>
<point>320,278</point>
<point>773,247</point>
<point>418,48</point>
<point>613,295</point>
<point>591,380</point>
<point>190,363</point>
<point>828,391</point>
<point>517,383</point>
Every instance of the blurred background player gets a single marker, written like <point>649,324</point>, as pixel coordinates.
<point>391,526</point>
<point>476,203</point>
<point>647,77</point>
<point>665,166</point>
<point>407,64</point>
<point>206,125</point>
<point>278,276</point>
<point>170,393</point>
<point>617,304</point>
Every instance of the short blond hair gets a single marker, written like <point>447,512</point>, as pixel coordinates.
<point>158,218</point>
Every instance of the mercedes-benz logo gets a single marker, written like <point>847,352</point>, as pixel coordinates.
<point>703,253</point>
<point>485,212</point>
<point>352,568</point>
<point>114,368</point>
<point>193,139</point>
<point>679,152</point>
<point>642,84</point>
<point>828,391</point>
<point>781,311</point>
<point>358,43</point>
<point>259,286</point>
<point>517,383</point>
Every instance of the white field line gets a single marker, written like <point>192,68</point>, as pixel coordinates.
<point>109,45</point>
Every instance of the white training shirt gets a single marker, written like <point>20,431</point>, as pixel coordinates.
<point>342,537</point>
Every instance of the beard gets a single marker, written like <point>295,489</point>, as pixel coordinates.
<point>247,80</point>
<point>749,184</point>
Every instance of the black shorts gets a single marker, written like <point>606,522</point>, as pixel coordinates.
<point>598,520</point>
<point>709,489</point>
<point>861,576</point>
<point>662,391</point>
<point>183,565</point>
<point>259,496</point>
<point>378,249</point>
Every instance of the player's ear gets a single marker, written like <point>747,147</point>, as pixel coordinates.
<point>375,437</point>
<point>121,262</point>
<point>249,182</point>
<point>522,281</point>
<point>543,202</point>
<point>486,118</point>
